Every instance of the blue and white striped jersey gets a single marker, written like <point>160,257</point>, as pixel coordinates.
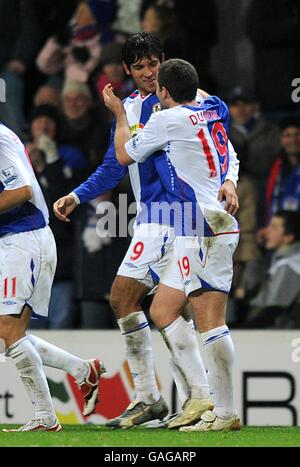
<point>195,162</point>
<point>146,184</point>
<point>144,176</point>
<point>15,172</point>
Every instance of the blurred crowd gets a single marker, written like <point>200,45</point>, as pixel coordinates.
<point>56,57</point>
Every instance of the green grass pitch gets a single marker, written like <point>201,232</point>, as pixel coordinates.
<point>93,435</point>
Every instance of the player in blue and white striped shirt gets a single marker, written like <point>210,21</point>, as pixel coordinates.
<point>146,258</point>
<point>193,166</point>
<point>27,267</point>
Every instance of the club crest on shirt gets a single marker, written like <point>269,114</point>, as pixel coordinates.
<point>156,107</point>
<point>8,175</point>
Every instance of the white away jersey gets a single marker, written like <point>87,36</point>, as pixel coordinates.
<point>146,184</point>
<point>15,172</point>
<point>195,160</point>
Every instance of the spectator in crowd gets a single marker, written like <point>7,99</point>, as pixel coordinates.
<point>96,264</point>
<point>20,38</point>
<point>47,94</point>
<point>162,21</point>
<point>199,23</point>
<point>45,131</point>
<point>56,173</point>
<point>80,55</point>
<point>112,71</point>
<point>54,17</point>
<point>127,20</point>
<point>273,27</point>
<point>104,11</point>
<point>255,139</point>
<point>277,303</point>
<point>247,257</point>
<point>83,126</point>
<point>283,184</point>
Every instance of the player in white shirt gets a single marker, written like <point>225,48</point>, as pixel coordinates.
<point>27,267</point>
<point>193,166</point>
<point>146,258</point>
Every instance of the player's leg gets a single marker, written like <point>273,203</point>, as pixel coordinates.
<point>210,309</point>
<point>140,338</point>
<point>86,372</point>
<point>134,281</point>
<point>163,313</point>
<point>30,369</point>
<point>171,277</point>
<point>208,280</point>
<point>181,340</point>
<point>126,298</point>
<point>21,266</point>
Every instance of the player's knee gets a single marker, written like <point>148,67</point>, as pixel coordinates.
<point>155,313</point>
<point>125,297</point>
<point>8,329</point>
<point>115,300</point>
<point>160,317</point>
<point>119,301</point>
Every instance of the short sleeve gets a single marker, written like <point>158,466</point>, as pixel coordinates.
<point>13,174</point>
<point>215,103</point>
<point>153,138</point>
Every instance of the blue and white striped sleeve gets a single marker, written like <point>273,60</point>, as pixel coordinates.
<point>106,177</point>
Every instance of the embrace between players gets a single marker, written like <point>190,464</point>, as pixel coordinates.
<point>181,158</point>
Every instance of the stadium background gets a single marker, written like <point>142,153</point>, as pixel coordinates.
<point>55,58</point>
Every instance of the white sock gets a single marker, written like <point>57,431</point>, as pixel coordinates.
<point>30,368</point>
<point>180,338</point>
<point>180,382</point>
<point>57,358</point>
<point>219,356</point>
<point>138,348</point>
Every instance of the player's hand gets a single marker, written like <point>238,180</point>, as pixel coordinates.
<point>228,192</point>
<point>111,101</point>
<point>63,207</point>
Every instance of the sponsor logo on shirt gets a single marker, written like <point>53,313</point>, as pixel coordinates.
<point>136,141</point>
<point>8,175</point>
<point>130,265</point>
<point>135,129</point>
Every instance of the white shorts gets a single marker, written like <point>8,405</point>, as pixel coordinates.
<point>150,250</point>
<point>27,268</point>
<point>203,263</point>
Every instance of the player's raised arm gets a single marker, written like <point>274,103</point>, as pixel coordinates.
<point>202,93</point>
<point>122,133</point>
<point>137,149</point>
